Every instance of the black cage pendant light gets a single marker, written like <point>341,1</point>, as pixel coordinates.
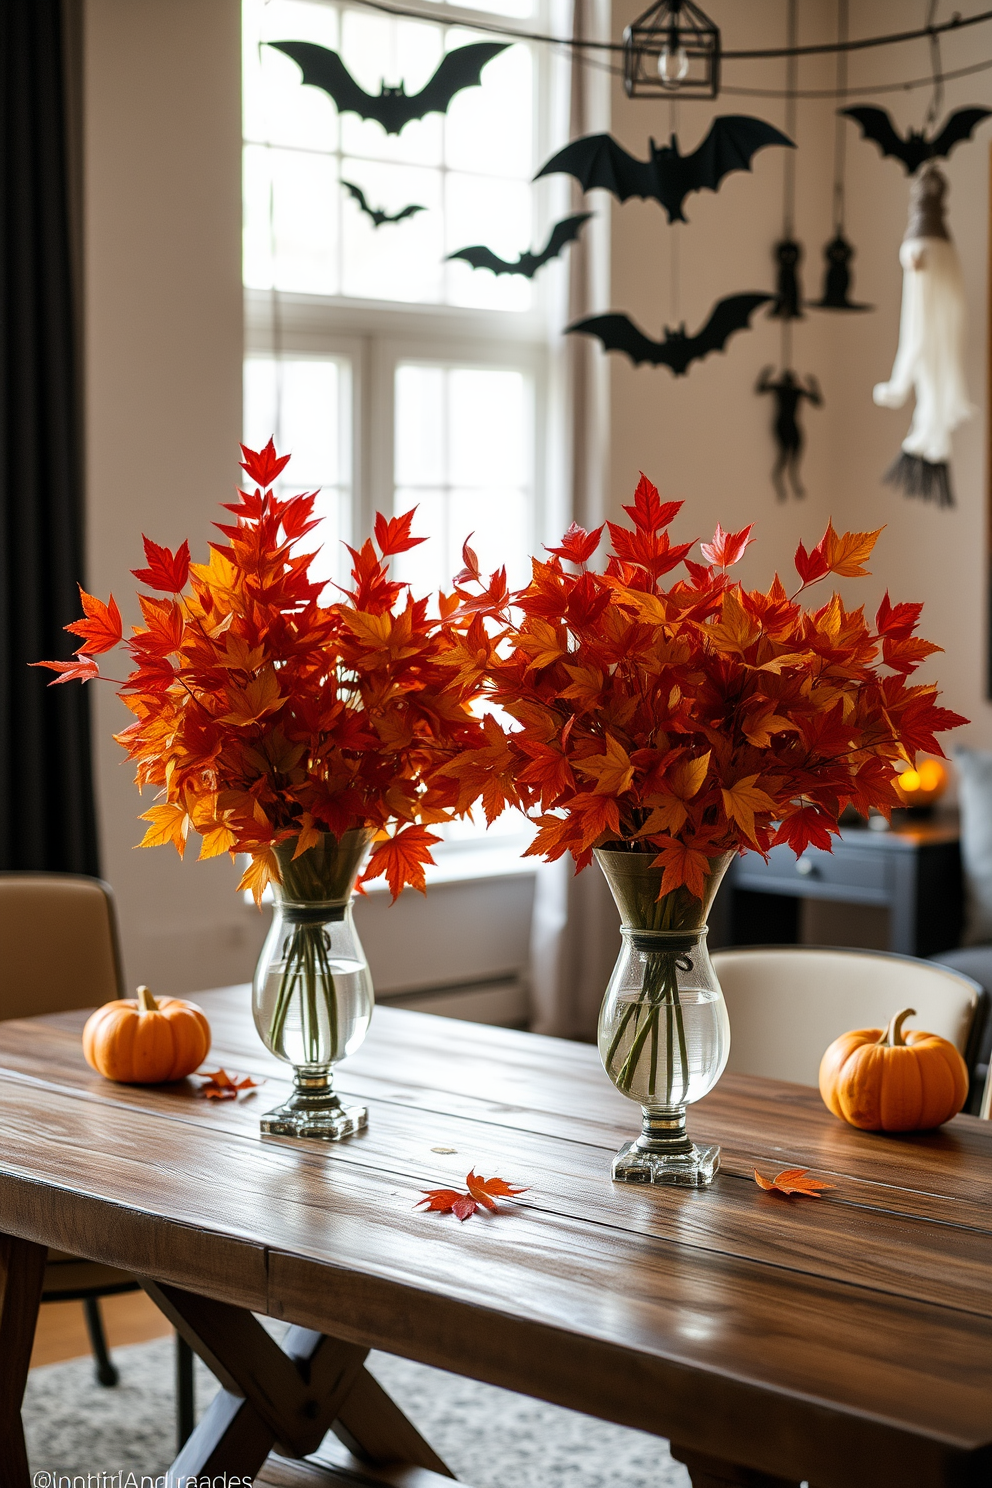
<point>672,48</point>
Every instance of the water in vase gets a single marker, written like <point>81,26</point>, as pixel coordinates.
<point>665,1052</point>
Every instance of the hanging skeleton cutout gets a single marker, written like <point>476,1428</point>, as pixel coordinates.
<point>929,360</point>
<point>788,393</point>
<point>838,253</point>
<point>788,390</point>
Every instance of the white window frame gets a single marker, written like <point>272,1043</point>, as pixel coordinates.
<point>377,335</point>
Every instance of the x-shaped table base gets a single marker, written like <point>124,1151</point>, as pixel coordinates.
<point>284,1397</point>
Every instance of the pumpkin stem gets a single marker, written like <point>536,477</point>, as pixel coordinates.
<point>146,1002</point>
<point>892,1037</point>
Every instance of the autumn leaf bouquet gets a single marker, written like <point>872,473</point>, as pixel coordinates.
<point>665,717</point>
<point>304,735</point>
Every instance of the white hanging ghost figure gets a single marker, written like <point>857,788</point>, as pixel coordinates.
<point>930,358</point>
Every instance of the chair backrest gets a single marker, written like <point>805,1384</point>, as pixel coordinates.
<point>788,1003</point>
<point>58,943</point>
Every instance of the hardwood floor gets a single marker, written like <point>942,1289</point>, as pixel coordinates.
<point>61,1331</point>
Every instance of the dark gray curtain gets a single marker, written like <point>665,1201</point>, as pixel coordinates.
<point>47,818</point>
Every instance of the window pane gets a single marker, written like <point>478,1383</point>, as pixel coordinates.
<point>463,452</point>
<point>305,405</point>
<point>470,169</point>
<point>291,220</point>
<point>407,255</point>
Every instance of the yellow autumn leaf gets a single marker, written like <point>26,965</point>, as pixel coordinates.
<point>255,700</point>
<point>685,779</point>
<point>611,771</point>
<point>742,800</point>
<point>216,840</point>
<point>169,823</point>
<point>261,871</point>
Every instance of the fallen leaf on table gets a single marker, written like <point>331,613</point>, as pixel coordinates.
<point>792,1181</point>
<point>444,1149</point>
<point>481,1194</point>
<point>219,1085</point>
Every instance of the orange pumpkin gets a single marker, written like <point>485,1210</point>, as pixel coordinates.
<point>139,1041</point>
<point>881,1081</point>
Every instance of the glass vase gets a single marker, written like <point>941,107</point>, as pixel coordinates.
<point>312,994</point>
<point>664,1035</point>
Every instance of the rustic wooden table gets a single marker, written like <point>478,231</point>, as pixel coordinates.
<point>847,1341</point>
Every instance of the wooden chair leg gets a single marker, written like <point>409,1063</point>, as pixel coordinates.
<point>185,1393</point>
<point>106,1371</point>
<point>22,1274</point>
<point>713,1472</point>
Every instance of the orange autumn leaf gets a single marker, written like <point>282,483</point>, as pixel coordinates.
<point>847,553</point>
<point>480,1193</point>
<point>402,859</point>
<point>102,629</point>
<point>219,1085</point>
<point>792,1181</point>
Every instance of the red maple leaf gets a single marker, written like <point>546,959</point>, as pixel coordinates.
<point>898,621</point>
<point>578,545</point>
<point>102,629</point>
<point>480,1195</point>
<point>811,566</point>
<point>82,669</point>
<point>393,533</point>
<point>168,571</point>
<point>649,513</point>
<point>263,466</point>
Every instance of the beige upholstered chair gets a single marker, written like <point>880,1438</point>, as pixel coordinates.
<point>60,950</point>
<point>787,1003</point>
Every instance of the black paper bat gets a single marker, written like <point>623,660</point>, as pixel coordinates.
<point>377,215</point>
<point>391,107</point>
<point>668,176</point>
<point>528,263</point>
<point>678,351</point>
<point>915,148</point>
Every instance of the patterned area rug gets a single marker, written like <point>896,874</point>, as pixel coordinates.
<point>489,1438</point>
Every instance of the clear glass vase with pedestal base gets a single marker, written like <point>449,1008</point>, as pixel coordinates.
<point>664,1035</point>
<point>312,996</point>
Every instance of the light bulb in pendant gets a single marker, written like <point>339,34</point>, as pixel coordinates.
<point>673,64</point>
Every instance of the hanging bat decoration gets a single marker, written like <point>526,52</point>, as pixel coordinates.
<point>678,351</point>
<point>837,280</point>
<point>914,148</point>
<point>930,357</point>
<point>378,216</point>
<point>391,107</point>
<point>597,160</point>
<point>789,297</point>
<point>788,392</point>
<point>528,263</point>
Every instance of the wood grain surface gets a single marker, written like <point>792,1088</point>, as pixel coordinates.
<point>847,1340</point>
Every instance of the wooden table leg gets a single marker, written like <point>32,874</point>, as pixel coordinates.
<point>713,1472</point>
<point>22,1271</point>
<point>286,1397</point>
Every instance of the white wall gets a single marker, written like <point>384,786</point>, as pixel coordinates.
<point>163,369</point>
